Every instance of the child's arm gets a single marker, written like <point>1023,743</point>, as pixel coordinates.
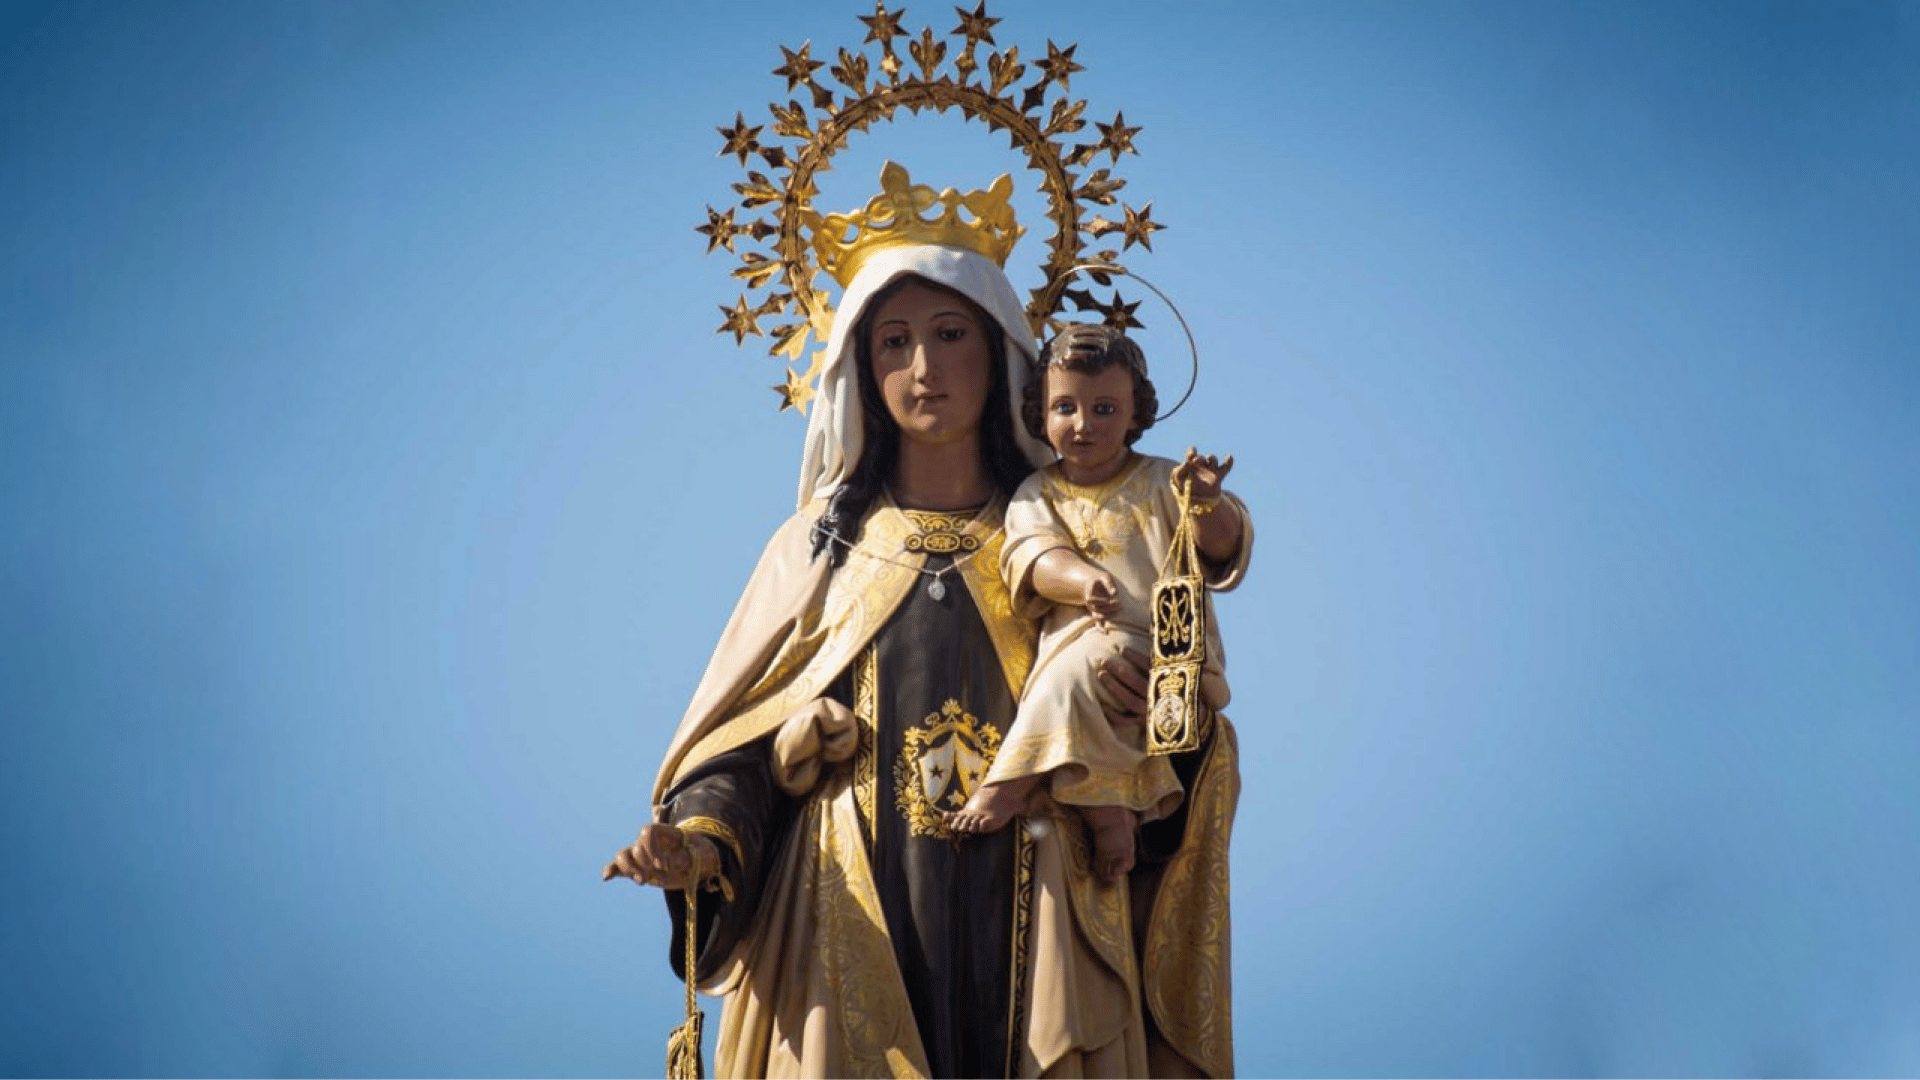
<point>1064,577</point>
<point>1217,535</point>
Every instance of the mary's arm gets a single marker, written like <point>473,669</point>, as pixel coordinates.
<point>731,806</point>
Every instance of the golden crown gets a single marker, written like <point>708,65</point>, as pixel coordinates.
<point>893,218</point>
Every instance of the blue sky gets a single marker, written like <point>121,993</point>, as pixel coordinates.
<point>375,487</point>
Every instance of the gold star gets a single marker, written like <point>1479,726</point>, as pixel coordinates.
<point>719,229</point>
<point>741,321</point>
<point>741,139</point>
<point>1139,227</point>
<point>1059,64</point>
<point>799,67</point>
<point>977,26</point>
<point>795,393</point>
<point>883,26</point>
<point>1120,314</point>
<point>1116,138</point>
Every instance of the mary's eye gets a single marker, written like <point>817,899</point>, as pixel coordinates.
<point>952,333</point>
<point>893,341</point>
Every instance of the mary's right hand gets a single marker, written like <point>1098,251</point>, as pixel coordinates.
<point>665,856</point>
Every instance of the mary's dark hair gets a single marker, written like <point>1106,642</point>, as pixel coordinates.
<point>1006,465</point>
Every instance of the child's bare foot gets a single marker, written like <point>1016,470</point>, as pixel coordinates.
<point>1113,828</point>
<point>991,807</point>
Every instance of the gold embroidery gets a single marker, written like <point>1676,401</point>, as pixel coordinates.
<point>1023,856</point>
<point>939,533</point>
<point>861,595</point>
<point>940,766</point>
<point>1101,518</point>
<point>1101,911</point>
<point>1188,958</point>
<point>1057,754</point>
<point>716,829</point>
<point>866,689</point>
<point>1014,638</point>
<point>854,955</point>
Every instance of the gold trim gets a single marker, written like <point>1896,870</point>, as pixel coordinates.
<point>861,596</point>
<point>1015,639</point>
<point>716,829</point>
<point>1023,856</point>
<point>1102,519</point>
<point>866,694</point>
<point>1188,959</point>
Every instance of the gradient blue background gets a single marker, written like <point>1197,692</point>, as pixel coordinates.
<point>375,487</point>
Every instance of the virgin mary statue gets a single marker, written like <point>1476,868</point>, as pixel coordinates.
<point>858,694</point>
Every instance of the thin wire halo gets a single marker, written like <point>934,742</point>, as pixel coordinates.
<point>1192,346</point>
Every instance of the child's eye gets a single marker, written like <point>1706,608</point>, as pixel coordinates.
<point>1064,408</point>
<point>1105,408</point>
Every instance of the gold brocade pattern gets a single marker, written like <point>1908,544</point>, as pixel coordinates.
<point>937,533</point>
<point>1023,857</point>
<point>1189,976</point>
<point>718,830</point>
<point>1101,518</point>
<point>861,594</point>
<point>1137,789</point>
<point>866,691</point>
<point>940,765</point>
<point>1015,639</point>
<point>1100,911</point>
<point>855,955</point>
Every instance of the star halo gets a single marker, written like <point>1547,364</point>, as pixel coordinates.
<point>865,87</point>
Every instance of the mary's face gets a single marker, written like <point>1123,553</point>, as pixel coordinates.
<point>932,362</point>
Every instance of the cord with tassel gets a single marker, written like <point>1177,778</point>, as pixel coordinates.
<point>683,1046</point>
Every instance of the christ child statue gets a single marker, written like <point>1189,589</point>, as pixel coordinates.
<point>1086,538</point>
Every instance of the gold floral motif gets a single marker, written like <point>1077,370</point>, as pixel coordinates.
<point>1023,858</point>
<point>939,534</point>
<point>1188,961</point>
<point>866,692</point>
<point>854,954</point>
<point>1101,911</point>
<point>941,765</point>
<point>862,594</point>
<point>1014,638</point>
<point>1101,518</point>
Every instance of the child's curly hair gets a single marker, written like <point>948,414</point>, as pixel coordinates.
<point>1092,348</point>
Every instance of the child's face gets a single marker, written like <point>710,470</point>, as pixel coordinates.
<point>1088,418</point>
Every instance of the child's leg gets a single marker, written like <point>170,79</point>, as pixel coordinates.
<point>992,806</point>
<point>1113,828</point>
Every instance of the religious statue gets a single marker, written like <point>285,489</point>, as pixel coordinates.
<point>803,818</point>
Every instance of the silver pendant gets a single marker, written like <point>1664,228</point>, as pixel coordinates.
<point>936,588</point>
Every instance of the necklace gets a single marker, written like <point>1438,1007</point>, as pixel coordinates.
<point>947,535</point>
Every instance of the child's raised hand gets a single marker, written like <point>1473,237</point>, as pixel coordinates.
<point>1102,598</point>
<point>1205,473</point>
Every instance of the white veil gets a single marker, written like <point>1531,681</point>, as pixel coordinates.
<point>834,429</point>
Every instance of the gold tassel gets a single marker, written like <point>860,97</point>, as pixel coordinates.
<point>683,1046</point>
